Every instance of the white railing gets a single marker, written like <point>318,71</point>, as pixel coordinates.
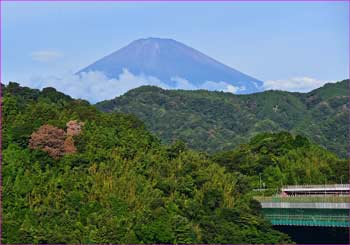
<point>306,205</point>
<point>346,186</point>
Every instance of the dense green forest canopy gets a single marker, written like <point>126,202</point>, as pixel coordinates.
<point>214,121</point>
<point>122,185</point>
<point>283,159</point>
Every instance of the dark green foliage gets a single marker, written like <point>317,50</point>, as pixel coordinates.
<point>214,121</point>
<point>281,159</point>
<point>122,186</point>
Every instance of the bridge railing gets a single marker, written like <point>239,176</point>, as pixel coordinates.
<point>316,186</point>
<point>305,199</point>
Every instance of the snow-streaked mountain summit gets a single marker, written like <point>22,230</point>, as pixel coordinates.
<point>175,65</point>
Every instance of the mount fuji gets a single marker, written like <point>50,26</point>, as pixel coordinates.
<point>176,65</point>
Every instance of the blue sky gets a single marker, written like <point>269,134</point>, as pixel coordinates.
<point>274,42</point>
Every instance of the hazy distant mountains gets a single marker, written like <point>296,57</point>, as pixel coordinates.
<point>176,65</point>
<point>212,121</point>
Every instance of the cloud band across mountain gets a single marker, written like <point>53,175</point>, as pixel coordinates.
<point>96,86</point>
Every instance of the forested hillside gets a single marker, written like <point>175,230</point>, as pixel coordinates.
<point>119,186</point>
<point>214,121</point>
<point>73,174</point>
<point>282,159</point>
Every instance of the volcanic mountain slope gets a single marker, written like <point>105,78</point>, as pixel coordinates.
<point>212,121</point>
<point>176,65</point>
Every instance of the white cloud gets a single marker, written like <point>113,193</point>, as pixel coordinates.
<point>232,89</point>
<point>221,86</point>
<point>182,83</point>
<point>94,86</point>
<point>296,84</point>
<point>46,55</point>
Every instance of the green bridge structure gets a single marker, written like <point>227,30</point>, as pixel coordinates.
<point>309,205</point>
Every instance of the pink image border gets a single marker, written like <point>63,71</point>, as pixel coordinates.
<point>165,1</point>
